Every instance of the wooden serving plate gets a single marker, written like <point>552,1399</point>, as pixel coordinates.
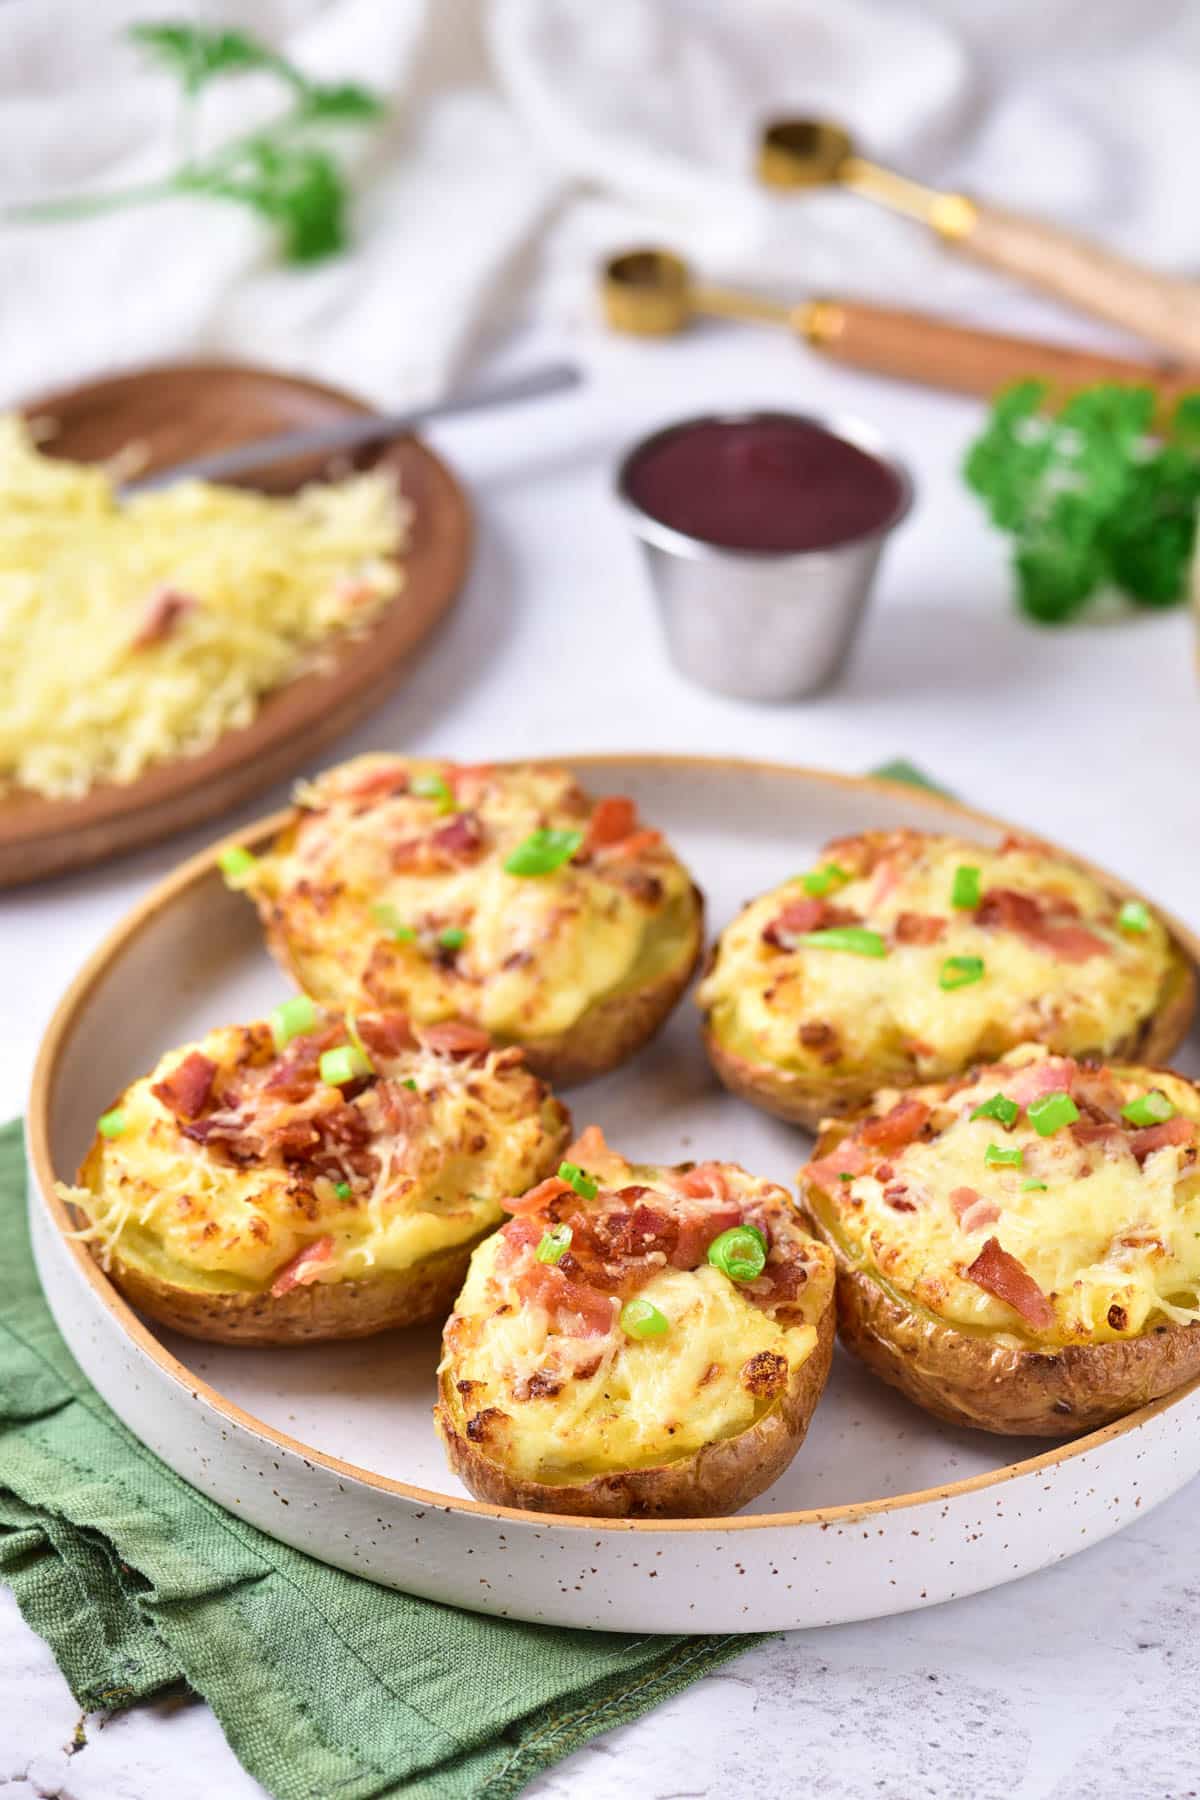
<point>183,410</point>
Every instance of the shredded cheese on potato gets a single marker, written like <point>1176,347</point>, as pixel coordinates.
<point>1114,1246</point>
<point>245,589</point>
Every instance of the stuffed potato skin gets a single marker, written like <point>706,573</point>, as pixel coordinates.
<point>1045,953</point>
<point>237,1195</point>
<point>1078,1356</point>
<point>546,1403</point>
<point>392,887</point>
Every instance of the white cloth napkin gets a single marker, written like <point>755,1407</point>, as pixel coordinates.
<point>528,136</point>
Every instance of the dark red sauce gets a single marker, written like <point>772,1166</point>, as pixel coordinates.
<point>769,482</point>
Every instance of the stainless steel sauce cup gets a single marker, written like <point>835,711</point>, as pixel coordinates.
<point>761,624</point>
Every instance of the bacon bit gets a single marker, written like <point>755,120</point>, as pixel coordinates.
<point>589,1147</point>
<point>302,1268</point>
<point>1106,1132</point>
<point>578,1310</point>
<point>849,1158</point>
<point>887,879</point>
<point>1150,1138</point>
<point>454,1037</point>
<point>897,1128</point>
<point>377,783</point>
<point>387,1033</point>
<point>706,1181</point>
<point>538,1386</point>
<point>1054,1075</point>
<point>165,608</point>
<point>461,838</point>
<point>1118,1318</point>
<point>613,820</point>
<point>1009,910</point>
<point>629,847</point>
<point>187,1089</point>
<point>971,1210</point>
<point>469,778</point>
<point>537,1197</point>
<point>998,1273</point>
<point>962,1199</point>
<point>897,1199</point>
<point>797,916</point>
<point>698,1230</point>
<point>918,928</point>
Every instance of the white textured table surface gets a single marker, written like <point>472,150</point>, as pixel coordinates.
<point>1078,1681</point>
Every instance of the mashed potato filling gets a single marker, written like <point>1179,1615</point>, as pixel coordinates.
<point>556,1403</point>
<point>136,630</point>
<point>424,1180</point>
<point>773,999</point>
<point>1103,1215</point>
<point>399,896</point>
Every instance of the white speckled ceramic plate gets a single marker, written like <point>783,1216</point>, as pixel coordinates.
<point>332,1448</point>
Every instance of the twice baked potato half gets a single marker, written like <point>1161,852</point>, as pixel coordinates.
<point>907,956</point>
<point>1019,1249</point>
<point>503,897</point>
<point>637,1341</point>
<point>311,1177</point>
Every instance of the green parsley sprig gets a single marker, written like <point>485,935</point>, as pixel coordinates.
<point>283,170</point>
<point>1099,495</point>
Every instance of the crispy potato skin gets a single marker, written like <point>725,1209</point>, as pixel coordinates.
<point>316,1312</point>
<point>804,1098</point>
<point>967,1378</point>
<point>714,1481</point>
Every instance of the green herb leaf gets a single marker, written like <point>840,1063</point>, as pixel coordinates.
<point>1090,499</point>
<point>198,55</point>
<point>542,852</point>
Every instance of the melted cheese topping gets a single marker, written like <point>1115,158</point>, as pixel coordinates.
<point>261,585</point>
<point>171,1205</point>
<point>539,950</point>
<point>890,1014</point>
<point>621,1402</point>
<point>1114,1246</point>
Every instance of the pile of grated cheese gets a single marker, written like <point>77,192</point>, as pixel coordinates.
<point>253,590</point>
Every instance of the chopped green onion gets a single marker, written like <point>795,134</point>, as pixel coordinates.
<point>1134,917</point>
<point>1149,1109</point>
<point>453,938</point>
<point>854,938</point>
<point>342,1190</point>
<point>823,880</point>
<point>960,971</point>
<point>433,787</point>
<point>111,1124</point>
<point>409,1083</point>
<point>642,1320</point>
<point>391,922</point>
<point>1029,1187</point>
<point>356,1040</point>
<point>554,1244</point>
<point>542,852</point>
<point>845,1175</point>
<point>292,1019</point>
<point>235,862</point>
<point>1011,1159</point>
<point>345,1064</point>
<point>740,1252</point>
<point>1000,1108</point>
<point>575,1177</point>
<point>1051,1113</point>
<point>967,889</point>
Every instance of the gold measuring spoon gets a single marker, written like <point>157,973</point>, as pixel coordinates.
<point>807,153</point>
<point>651,293</point>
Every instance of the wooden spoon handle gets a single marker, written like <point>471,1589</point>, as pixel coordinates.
<point>1160,308</point>
<point>917,347</point>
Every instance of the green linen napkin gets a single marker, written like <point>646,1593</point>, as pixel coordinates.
<point>324,1684</point>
